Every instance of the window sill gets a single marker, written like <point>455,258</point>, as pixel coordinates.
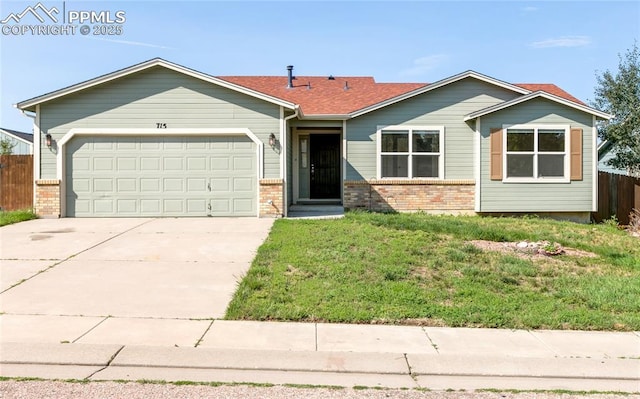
<point>537,181</point>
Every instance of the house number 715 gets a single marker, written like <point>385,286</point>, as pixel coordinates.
<point>161,125</point>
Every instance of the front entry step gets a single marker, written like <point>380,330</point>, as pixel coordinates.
<point>315,211</point>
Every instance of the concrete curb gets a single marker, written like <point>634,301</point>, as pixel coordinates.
<point>390,370</point>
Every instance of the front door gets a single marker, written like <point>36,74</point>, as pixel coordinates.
<point>324,162</point>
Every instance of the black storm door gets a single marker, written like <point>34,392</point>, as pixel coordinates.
<point>325,166</point>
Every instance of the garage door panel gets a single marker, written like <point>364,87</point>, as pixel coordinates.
<point>149,143</point>
<point>103,207</point>
<point>243,206</point>
<point>243,144</point>
<point>150,207</point>
<point>103,164</point>
<point>173,184</point>
<point>197,145</point>
<point>78,206</point>
<point>220,163</point>
<point>128,164</point>
<point>220,206</point>
<point>81,164</point>
<point>173,206</point>
<point>197,164</point>
<point>81,186</point>
<point>173,164</point>
<point>103,185</point>
<point>161,176</point>
<point>128,206</point>
<point>221,143</point>
<point>149,164</point>
<point>197,185</point>
<point>197,205</point>
<point>243,164</point>
<point>150,185</point>
<point>221,185</point>
<point>127,185</point>
<point>124,145</point>
<point>244,184</point>
<point>173,143</point>
<point>102,145</point>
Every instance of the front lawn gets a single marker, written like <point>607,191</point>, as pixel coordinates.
<point>423,270</point>
<point>10,217</point>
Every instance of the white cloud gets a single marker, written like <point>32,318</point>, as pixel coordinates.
<point>129,42</point>
<point>426,64</point>
<point>565,41</point>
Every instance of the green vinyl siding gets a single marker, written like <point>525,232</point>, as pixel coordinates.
<point>446,106</point>
<point>574,196</point>
<point>159,95</point>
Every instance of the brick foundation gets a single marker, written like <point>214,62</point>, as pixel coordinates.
<point>48,198</point>
<point>410,195</point>
<point>271,190</point>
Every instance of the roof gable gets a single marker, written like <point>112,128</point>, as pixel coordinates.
<point>29,105</point>
<point>534,95</point>
<point>443,83</point>
<point>25,137</point>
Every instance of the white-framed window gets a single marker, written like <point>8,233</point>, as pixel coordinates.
<point>410,152</point>
<point>536,152</point>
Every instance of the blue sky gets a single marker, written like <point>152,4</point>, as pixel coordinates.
<point>561,42</point>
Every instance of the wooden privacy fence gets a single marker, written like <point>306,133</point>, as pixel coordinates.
<point>16,182</point>
<point>617,195</point>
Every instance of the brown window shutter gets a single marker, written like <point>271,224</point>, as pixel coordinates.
<point>576,154</point>
<point>496,154</point>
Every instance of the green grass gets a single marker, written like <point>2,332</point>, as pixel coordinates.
<point>420,269</point>
<point>10,217</point>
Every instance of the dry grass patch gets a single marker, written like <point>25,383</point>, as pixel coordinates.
<point>532,250</point>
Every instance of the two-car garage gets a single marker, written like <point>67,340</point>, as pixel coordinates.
<point>129,175</point>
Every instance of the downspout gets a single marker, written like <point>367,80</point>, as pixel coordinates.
<point>285,199</point>
<point>35,152</point>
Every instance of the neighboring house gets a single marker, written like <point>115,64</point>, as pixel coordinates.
<point>605,154</point>
<point>22,142</point>
<point>160,139</point>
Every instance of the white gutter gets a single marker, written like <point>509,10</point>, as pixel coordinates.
<point>283,155</point>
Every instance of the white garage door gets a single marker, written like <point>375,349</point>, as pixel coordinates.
<point>122,176</point>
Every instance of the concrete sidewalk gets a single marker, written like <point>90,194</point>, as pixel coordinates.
<point>332,354</point>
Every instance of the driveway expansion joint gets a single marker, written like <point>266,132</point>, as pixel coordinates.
<point>91,329</point>
<point>204,334</point>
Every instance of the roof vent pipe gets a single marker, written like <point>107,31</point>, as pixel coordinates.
<point>290,76</point>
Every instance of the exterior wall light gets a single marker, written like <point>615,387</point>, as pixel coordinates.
<point>47,139</point>
<point>272,140</point>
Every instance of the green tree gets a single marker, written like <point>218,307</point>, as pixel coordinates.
<point>6,146</point>
<point>619,95</point>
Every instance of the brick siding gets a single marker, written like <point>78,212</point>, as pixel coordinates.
<point>410,195</point>
<point>48,198</point>
<point>271,190</point>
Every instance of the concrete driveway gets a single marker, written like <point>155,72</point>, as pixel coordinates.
<point>84,271</point>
